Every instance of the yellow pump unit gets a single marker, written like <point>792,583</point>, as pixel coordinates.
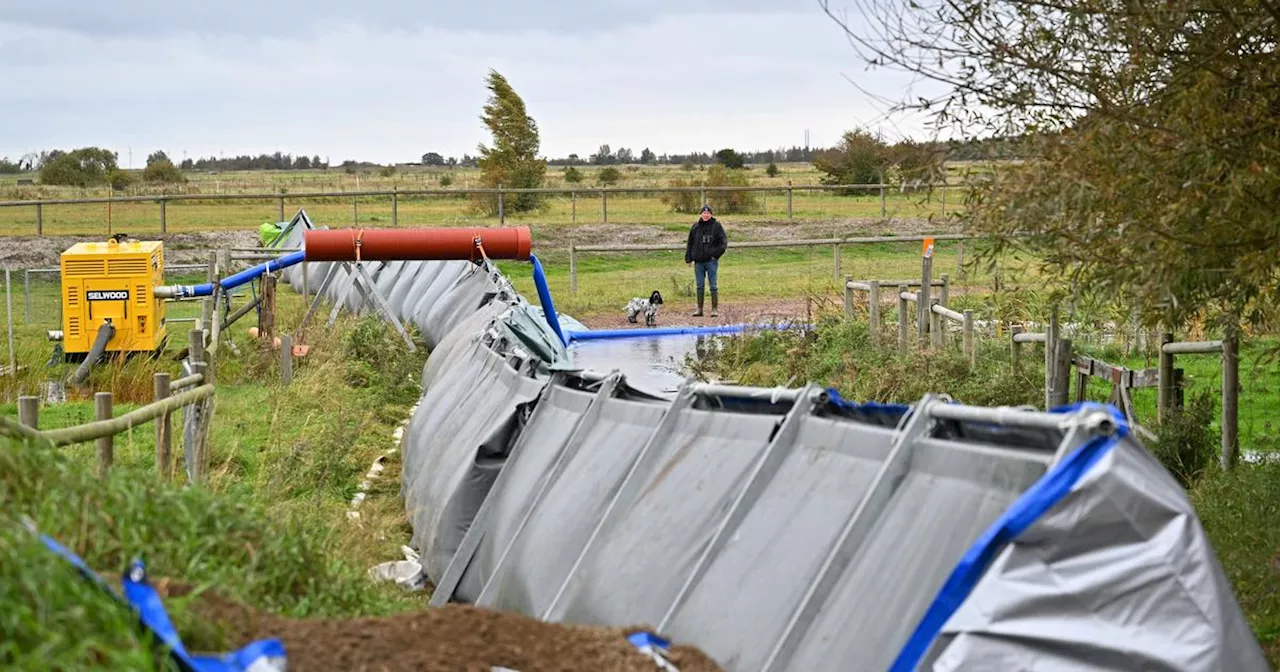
<point>113,281</point>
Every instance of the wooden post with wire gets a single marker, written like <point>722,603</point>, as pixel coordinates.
<point>106,452</point>
<point>164,427</point>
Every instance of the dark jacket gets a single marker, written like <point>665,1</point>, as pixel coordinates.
<point>706,241</point>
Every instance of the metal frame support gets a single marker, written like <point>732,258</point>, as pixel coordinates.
<point>470,543</point>
<point>641,467</point>
<point>579,434</point>
<point>762,474</point>
<point>315,303</point>
<point>370,290</point>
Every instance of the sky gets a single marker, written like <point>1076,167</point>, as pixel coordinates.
<point>387,80</point>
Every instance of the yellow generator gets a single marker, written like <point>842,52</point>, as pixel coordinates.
<point>113,282</point>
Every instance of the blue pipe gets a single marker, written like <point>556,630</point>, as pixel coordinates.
<point>613,334</point>
<point>544,297</point>
<point>243,277</point>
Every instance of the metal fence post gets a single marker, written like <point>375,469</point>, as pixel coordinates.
<point>1164,374</point>
<point>502,214</point>
<point>1050,347</point>
<point>164,223</point>
<point>102,411</point>
<point>902,319</point>
<point>604,206</point>
<point>789,189</point>
<point>1230,400</point>
<point>968,338</point>
<point>29,412</point>
<point>573,268</point>
<point>874,312</point>
<point>164,428</point>
<point>1015,349</point>
<point>848,296</point>
<point>39,220</point>
<point>286,359</point>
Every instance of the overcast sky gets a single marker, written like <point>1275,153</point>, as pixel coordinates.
<point>386,80</point>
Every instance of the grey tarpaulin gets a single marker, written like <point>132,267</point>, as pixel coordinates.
<point>1138,588</point>
<point>814,540</point>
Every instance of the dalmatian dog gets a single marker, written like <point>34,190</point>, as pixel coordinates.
<point>647,306</point>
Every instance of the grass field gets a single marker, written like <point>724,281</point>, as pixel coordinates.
<point>561,209</point>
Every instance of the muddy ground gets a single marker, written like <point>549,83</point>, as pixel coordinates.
<point>21,252</point>
<point>454,637</point>
<point>179,248</point>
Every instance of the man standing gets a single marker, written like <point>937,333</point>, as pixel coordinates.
<point>706,245</point>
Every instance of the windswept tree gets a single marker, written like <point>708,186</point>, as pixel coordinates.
<point>1153,130</point>
<point>513,160</point>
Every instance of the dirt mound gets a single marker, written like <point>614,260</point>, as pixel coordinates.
<point>454,637</point>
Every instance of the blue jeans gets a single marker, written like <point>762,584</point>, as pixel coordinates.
<point>704,272</point>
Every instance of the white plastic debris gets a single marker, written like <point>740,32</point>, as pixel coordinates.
<point>406,573</point>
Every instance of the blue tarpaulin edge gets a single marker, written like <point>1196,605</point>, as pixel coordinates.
<point>1042,496</point>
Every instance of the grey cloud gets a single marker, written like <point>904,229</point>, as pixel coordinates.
<point>283,17</point>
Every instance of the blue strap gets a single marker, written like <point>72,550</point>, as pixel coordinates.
<point>151,613</point>
<point>1042,496</point>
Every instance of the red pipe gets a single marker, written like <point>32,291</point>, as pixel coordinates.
<point>512,242</point>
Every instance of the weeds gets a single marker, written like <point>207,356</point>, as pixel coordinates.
<point>1186,443</point>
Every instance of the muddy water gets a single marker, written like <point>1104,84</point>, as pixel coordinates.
<point>652,365</point>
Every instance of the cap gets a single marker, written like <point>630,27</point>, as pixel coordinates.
<point>706,208</point>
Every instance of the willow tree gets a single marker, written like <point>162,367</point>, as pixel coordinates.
<point>1154,129</point>
<point>512,161</point>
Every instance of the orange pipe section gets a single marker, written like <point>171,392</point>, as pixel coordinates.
<point>508,242</point>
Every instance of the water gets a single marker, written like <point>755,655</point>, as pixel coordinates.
<point>652,364</point>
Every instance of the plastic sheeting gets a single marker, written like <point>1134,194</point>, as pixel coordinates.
<point>814,535</point>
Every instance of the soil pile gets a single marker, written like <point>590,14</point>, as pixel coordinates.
<point>454,637</point>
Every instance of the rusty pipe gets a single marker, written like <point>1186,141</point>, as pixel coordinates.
<point>432,244</point>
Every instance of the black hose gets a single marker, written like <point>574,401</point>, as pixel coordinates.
<point>105,333</point>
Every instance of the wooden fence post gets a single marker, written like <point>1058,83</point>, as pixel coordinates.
<point>874,312</point>
<point>286,359</point>
<point>102,411</point>
<point>848,296</point>
<point>280,207</point>
<point>1230,400</point>
<point>1166,391</point>
<point>164,224</point>
<point>573,199</point>
<point>960,259</point>
<point>945,294</point>
<point>395,206</point>
<point>164,427</point>
<point>883,209</point>
<point>29,412</point>
<point>39,220</point>
<point>789,211</point>
<point>922,305</point>
<point>1050,348</point>
<point>604,206</point>
<point>968,338</point>
<point>267,312</point>
<point>502,211</point>
<point>836,263</point>
<point>902,320</point>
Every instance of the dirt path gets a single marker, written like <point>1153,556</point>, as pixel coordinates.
<point>676,313</point>
<point>445,639</point>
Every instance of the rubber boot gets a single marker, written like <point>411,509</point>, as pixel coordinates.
<point>698,312</point>
<point>715,303</point>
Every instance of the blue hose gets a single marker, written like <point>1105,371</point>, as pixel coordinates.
<point>613,334</point>
<point>245,276</point>
<point>544,296</point>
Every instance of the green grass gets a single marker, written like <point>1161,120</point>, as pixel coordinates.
<point>268,527</point>
<point>560,210</point>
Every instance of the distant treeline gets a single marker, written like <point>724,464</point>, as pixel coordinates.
<point>953,150</point>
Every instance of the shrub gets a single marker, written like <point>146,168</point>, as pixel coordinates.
<point>1185,443</point>
<point>387,171</point>
<point>729,202</point>
<point>771,170</point>
<point>572,175</point>
<point>608,175</point>
<point>446,180</point>
<point>121,179</point>
<point>163,171</point>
